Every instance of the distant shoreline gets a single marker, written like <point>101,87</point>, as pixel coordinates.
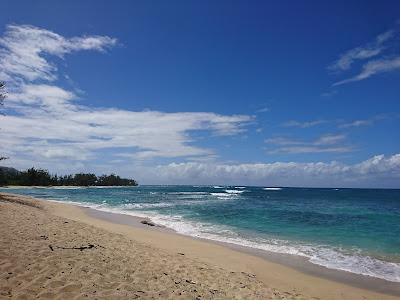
<point>41,177</point>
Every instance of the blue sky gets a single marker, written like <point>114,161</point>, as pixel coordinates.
<point>218,92</point>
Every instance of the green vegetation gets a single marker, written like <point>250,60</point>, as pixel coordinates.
<point>40,177</point>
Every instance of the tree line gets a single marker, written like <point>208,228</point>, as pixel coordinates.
<point>40,177</point>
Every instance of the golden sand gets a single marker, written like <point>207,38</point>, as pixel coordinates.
<point>55,251</point>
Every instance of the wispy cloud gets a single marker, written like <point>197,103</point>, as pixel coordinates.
<point>311,149</point>
<point>329,139</point>
<point>263,110</point>
<point>381,55</point>
<point>372,68</point>
<point>364,122</point>
<point>305,124</point>
<point>356,123</point>
<point>45,123</point>
<point>329,143</point>
<point>363,52</point>
<point>329,93</point>
<point>283,141</point>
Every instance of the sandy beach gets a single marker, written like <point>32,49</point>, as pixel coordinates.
<point>51,250</point>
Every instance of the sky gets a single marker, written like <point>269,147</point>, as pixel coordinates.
<point>270,93</point>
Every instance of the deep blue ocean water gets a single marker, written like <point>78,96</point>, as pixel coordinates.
<point>356,230</point>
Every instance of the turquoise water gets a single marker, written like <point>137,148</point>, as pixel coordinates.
<point>357,230</point>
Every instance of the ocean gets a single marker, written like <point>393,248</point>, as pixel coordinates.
<point>355,230</point>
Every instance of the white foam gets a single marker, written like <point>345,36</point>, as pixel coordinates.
<point>218,187</point>
<point>233,191</point>
<point>272,189</point>
<point>221,194</point>
<point>320,255</point>
<point>188,193</point>
<point>147,205</point>
<point>62,187</point>
<point>225,196</point>
<point>240,187</point>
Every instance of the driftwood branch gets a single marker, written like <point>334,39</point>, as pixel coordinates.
<point>81,248</point>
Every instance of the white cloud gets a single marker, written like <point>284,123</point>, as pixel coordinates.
<point>329,139</point>
<point>283,141</point>
<point>306,124</point>
<point>378,171</point>
<point>372,68</point>
<point>383,50</point>
<point>311,149</point>
<point>263,110</point>
<point>23,46</point>
<point>356,123</point>
<point>80,129</point>
<point>365,122</point>
<point>360,53</point>
<point>45,123</point>
<point>41,96</point>
<point>329,143</point>
<point>345,61</point>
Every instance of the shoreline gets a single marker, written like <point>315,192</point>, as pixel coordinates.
<point>281,271</point>
<point>295,262</point>
<point>298,262</point>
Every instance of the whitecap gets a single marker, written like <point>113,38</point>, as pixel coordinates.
<point>147,205</point>
<point>233,191</point>
<point>188,193</point>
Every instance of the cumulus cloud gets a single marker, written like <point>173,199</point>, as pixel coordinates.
<point>45,124</point>
<point>378,171</point>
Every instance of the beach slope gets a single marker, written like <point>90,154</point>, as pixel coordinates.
<point>51,250</point>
